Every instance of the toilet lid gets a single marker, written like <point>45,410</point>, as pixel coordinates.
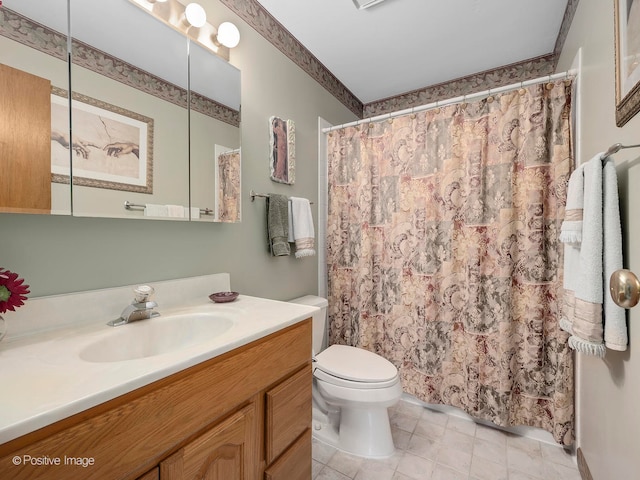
<point>355,364</point>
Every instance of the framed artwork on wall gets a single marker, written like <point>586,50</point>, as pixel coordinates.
<point>282,148</point>
<point>112,147</point>
<point>627,36</point>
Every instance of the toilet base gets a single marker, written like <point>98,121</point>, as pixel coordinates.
<point>361,432</point>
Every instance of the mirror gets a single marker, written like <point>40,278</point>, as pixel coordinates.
<point>33,64</point>
<point>214,137</point>
<point>137,150</point>
<point>129,113</point>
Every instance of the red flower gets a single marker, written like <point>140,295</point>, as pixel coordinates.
<point>12,290</point>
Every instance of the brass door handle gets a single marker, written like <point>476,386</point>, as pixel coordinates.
<point>624,287</point>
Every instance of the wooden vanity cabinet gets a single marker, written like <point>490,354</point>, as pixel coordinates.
<point>224,452</point>
<point>244,415</point>
<point>151,475</point>
<point>287,432</point>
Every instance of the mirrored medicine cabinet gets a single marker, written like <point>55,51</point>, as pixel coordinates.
<point>151,129</point>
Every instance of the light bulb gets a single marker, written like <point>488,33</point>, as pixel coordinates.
<point>195,15</point>
<point>228,34</point>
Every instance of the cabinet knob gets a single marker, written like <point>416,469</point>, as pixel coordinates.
<point>624,287</point>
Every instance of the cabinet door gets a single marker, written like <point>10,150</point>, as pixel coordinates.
<point>288,412</point>
<point>151,475</point>
<point>295,463</point>
<point>226,452</point>
<point>25,142</point>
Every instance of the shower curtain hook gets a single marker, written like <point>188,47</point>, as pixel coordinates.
<point>549,83</point>
<point>521,90</point>
<point>489,96</point>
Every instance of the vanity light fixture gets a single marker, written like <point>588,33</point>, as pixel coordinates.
<point>228,35</point>
<point>195,15</point>
<point>191,21</point>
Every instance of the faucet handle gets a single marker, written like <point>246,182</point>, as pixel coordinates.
<point>142,293</point>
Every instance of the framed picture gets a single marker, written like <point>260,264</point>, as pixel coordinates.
<point>627,16</point>
<point>282,145</point>
<point>112,147</point>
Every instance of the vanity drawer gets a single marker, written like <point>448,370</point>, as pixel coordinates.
<point>288,412</point>
<point>295,463</point>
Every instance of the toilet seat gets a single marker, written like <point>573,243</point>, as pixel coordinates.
<point>354,368</point>
<point>341,382</point>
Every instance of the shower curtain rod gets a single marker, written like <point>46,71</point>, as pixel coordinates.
<point>462,98</point>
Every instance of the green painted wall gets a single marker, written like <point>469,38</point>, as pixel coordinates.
<point>63,254</point>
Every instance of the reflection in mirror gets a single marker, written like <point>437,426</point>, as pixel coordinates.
<point>129,116</point>
<point>33,65</point>
<point>227,184</point>
<point>214,121</point>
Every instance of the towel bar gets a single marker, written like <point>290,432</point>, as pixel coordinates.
<point>253,196</point>
<point>615,148</point>
<point>130,206</point>
<point>624,288</point>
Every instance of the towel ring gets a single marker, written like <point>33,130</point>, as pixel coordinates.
<point>624,288</point>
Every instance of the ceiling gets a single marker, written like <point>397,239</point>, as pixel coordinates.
<point>398,46</point>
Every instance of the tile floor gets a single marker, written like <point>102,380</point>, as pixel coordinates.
<point>431,445</point>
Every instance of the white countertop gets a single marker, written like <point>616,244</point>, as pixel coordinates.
<point>43,379</point>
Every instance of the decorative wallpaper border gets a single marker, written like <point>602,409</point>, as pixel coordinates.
<point>32,34</point>
<point>264,23</point>
<point>570,11</point>
<point>497,77</point>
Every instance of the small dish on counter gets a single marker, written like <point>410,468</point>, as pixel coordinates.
<point>223,297</point>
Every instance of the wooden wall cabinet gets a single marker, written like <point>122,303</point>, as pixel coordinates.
<point>25,142</point>
<point>244,415</point>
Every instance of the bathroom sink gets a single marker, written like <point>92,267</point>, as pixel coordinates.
<point>155,336</point>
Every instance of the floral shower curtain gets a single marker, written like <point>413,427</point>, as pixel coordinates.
<point>443,253</point>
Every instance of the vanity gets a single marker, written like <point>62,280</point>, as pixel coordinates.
<point>233,402</point>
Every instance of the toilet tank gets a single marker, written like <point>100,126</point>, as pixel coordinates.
<point>319,319</point>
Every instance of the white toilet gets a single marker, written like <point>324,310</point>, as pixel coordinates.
<point>352,389</point>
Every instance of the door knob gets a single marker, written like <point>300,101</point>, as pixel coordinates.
<point>624,287</point>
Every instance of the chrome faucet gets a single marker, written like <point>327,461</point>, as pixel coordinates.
<point>140,308</point>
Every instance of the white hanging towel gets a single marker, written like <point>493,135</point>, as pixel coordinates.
<point>301,227</point>
<point>176,211</point>
<point>194,212</point>
<point>591,255</point>
<point>154,210</point>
